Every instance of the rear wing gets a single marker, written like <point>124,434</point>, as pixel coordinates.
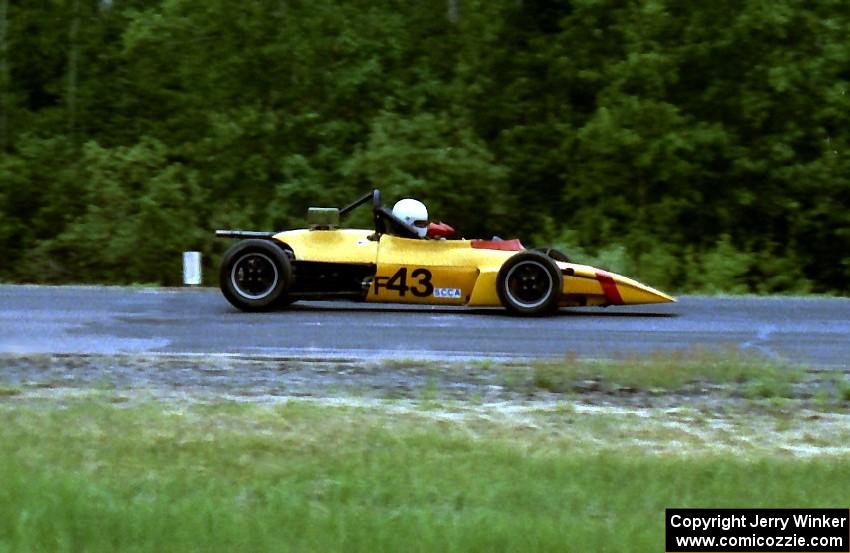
<point>262,234</point>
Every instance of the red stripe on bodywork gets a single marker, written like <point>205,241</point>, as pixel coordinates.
<point>513,245</point>
<point>609,287</point>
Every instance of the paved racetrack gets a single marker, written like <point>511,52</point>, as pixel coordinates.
<point>80,319</point>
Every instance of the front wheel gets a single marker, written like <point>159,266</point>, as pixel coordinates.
<point>530,283</point>
<point>255,275</point>
<point>557,255</point>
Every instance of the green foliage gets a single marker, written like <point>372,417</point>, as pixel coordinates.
<point>40,191</point>
<point>721,269</point>
<point>697,146</point>
<point>434,157</point>
<point>142,211</point>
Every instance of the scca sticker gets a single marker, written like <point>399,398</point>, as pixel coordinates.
<point>447,293</point>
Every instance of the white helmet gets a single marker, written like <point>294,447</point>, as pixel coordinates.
<point>414,213</point>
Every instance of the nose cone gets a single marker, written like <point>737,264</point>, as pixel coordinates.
<point>621,290</point>
<point>635,293</point>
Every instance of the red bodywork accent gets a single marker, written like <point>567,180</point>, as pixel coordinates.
<point>609,287</point>
<point>513,245</point>
<point>439,230</point>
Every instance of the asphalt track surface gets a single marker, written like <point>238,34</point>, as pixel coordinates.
<point>113,320</point>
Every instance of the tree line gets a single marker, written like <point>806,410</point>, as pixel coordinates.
<point>700,146</point>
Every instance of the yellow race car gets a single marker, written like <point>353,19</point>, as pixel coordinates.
<point>392,264</point>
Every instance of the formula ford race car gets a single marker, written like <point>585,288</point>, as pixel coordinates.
<point>392,264</point>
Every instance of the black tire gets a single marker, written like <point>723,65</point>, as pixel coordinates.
<point>530,284</point>
<point>557,255</point>
<point>255,275</point>
<point>286,299</point>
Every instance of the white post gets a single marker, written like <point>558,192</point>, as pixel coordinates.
<point>192,268</point>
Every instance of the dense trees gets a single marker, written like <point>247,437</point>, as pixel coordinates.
<point>699,146</point>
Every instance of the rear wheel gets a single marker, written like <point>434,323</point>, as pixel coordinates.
<point>530,283</point>
<point>255,275</point>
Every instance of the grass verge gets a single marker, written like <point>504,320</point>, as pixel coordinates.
<point>669,371</point>
<point>87,474</point>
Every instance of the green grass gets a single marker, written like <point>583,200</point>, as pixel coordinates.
<point>757,376</point>
<point>8,391</point>
<point>90,475</point>
<point>844,390</point>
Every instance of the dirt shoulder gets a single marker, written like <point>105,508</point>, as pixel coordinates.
<point>806,416</point>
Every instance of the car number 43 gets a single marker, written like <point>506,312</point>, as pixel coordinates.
<point>420,282</point>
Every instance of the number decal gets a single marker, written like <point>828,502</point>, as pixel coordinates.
<point>424,281</point>
<point>398,282</point>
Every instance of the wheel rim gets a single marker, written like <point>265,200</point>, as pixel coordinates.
<point>254,276</point>
<point>528,284</point>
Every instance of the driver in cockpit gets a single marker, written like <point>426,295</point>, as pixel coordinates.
<point>414,213</point>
